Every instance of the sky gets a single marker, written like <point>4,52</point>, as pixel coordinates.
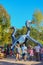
<point>21,10</point>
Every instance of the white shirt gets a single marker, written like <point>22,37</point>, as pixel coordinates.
<point>37,48</point>
<point>18,49</point>
<point>24,49</point>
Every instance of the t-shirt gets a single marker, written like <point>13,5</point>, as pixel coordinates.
<point>31,52</point>
<point>37,48</point>
<point>18,50</point>
<point>24,49</point>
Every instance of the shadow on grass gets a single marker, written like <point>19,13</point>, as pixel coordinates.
<point>8,63</point>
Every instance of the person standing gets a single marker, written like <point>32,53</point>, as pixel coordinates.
<point>24,52</point>
<point>31,53</point>
<point>37,52</point>
<point>18,52</point>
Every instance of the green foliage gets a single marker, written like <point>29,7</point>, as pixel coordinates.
<point>4,25</point>
<point>37,19</point>
<point>21,31</point>
<point>38,16</point>
<point>5,32</point>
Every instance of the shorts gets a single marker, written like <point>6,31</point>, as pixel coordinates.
<point>24,54</point>
<point>17,53</point>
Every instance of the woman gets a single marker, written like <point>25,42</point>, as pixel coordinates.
<point>18,52</point>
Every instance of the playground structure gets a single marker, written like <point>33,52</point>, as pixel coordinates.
<point>25,37</point>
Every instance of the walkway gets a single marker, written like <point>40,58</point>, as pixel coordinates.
<point>13,62</point>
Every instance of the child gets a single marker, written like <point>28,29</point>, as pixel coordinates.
<point>31,54</point>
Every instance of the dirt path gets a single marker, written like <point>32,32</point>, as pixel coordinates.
<point>13,62</point>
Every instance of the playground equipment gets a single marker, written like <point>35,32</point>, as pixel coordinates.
<point>24,38</point>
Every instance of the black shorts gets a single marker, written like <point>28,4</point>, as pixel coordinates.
<point>24,54</point>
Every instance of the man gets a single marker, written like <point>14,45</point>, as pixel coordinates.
<point>37,52</point>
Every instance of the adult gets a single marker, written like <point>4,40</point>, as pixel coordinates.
<point>37,52</point>
<point>18,51</point>
<point>24,52</point>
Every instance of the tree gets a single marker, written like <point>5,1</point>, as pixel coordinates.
<point>38,19</point>
<point>4,26</point>
<point>21,31</point>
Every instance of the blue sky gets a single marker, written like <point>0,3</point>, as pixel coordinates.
<point>21,10</point>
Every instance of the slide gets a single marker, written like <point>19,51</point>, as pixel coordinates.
<point>22,38</point>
